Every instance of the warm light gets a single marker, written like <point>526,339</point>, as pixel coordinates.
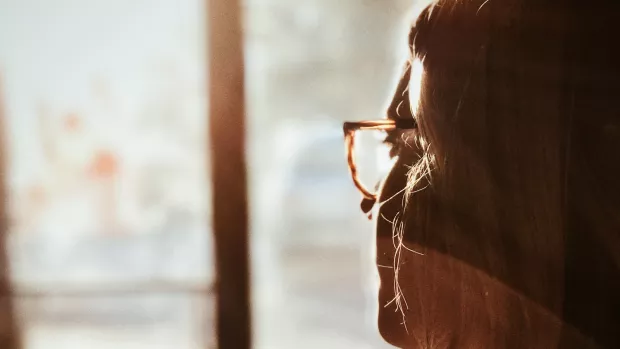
<point>415,84</point>
<point>104,165</point>
<point>385,164</point>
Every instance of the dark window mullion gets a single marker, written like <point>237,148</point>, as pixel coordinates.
<point>10,334</point>
<point>228,173</point>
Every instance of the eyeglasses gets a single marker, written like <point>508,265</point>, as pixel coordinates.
<point>350,129</point>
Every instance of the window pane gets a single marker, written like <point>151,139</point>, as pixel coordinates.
<point>106,104</point>
<point>311,65</point>
<point>142,321</point>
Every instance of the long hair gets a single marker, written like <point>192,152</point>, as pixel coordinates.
<point>515,188</point>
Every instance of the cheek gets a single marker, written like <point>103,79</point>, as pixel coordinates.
<point>439,295</point>
<point>391,199</point>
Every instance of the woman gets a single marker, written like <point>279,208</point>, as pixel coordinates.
<point>499,224</point>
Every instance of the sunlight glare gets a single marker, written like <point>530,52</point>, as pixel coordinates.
<point>415,84</point>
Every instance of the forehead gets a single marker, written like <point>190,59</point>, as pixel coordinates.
<point>452,28</point>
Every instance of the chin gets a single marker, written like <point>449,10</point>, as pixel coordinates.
<point>389,318</point>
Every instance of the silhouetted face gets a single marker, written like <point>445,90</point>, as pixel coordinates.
<point>393,311</point>
<point>421,298</point>
<point>444,283</point>
<point>429,297</point>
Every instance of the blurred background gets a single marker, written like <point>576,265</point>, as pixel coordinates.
<point>105,107</point>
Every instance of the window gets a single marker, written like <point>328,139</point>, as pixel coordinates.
<point>312,64</point>
<point>110,235</point>
<point>110,239</point>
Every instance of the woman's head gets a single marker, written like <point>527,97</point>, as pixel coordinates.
<point>508,235</point>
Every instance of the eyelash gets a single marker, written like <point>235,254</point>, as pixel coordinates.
<point>397,140</point>
<point>394,141</point>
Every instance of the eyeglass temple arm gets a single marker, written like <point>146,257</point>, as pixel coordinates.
<point>382,125</point>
